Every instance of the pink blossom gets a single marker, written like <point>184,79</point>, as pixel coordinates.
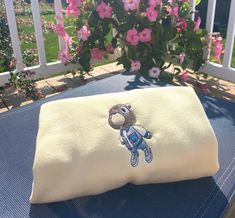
<point>110,49</point>
<point>184,76</point>
<point>104,10</point>
<point>64,56</point>
<point>145,35</point>
<point>62,33</point>
<point>83,33</point>
<point>72,9</point>
<point>132,37</point>
<point>179,30</point>
<point>59,18</point>
<point>197,24</point>
<point>151,14</point>
<point>60,30</point>
<point>97,54</point>
<point>182,23</point>
<point>78,48</point>
<point>154,72</point>
<point>154,3</point>
<point>131,4</point>
<point>204,88</point>
<point>218,48</point>
<point>75,2</point>
<point>68,40</point>
<point>135,65</point>
<point>173,11</point>
<point>182,57</point>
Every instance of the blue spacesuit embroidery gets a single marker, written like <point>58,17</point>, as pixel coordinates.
<point>131,135</point>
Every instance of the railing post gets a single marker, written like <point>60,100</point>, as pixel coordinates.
<point>38,32</point>
<point>210,23</point>
<point>59,20</point>
<point>11,19</point>
<point>193,5</point>
<point>230,36</point>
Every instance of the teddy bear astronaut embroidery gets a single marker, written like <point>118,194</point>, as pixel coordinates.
<point>123,118</point>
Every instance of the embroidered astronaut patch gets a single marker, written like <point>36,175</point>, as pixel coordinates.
<point>123,118</point>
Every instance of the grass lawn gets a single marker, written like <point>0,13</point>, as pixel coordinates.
<point>51,39</point>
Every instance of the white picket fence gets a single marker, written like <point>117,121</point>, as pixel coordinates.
<point>224,71</point>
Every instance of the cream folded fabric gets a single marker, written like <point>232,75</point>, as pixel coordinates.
<point>89,145</point>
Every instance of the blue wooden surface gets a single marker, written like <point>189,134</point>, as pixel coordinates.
<point>205,197</point>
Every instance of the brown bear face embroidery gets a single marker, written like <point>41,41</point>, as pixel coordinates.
<point>123,118</point>
<point>121,115</point>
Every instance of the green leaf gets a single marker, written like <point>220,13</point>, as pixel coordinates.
<point>125,62</point>
<point>84,60</point>
<point>114,42</point>
<point>185,64</point>
<point>166,77</point>
<point>93,19</point>
<point>198,2</point>
<point>178,70</point>
<point>169,33</point>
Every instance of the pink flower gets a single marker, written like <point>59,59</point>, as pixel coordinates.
<point>131,4</point>
<point>110,49</point>
<point>97,54</point>
<point>104,10</point>
<point>68,40</point>
<point>178,29</point>
<point>132,37</point>
<point>184,76</point>
<point>83,33</point>
<point>75,2</point>
<point>62,33</point>
<point>154,72</point>
<point>182,23</point>
<point>59,18</point>
<point>173,11</point>
<point>197,24</point>
<point>135,65</point>
<point>204,88</point>
<point>218,48</point>
<point>182,57</point>
<point>72,9</point>
<point>145,35</point>
<point>154,3</point>
<point>60,30</point>
<point>78,48</point>
<point>151,14</point>
<point>64,56</point>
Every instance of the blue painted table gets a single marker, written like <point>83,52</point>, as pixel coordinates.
<point>207,197</point>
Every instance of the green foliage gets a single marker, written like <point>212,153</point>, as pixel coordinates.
<point>5,45</point>
<point>198,2</point>
<point>23,82</point>
<point>169,38</point>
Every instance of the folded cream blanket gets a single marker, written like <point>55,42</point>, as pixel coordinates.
<point>89,145</point>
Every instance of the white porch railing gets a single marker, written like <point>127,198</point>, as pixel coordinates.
<point>224,71</point>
